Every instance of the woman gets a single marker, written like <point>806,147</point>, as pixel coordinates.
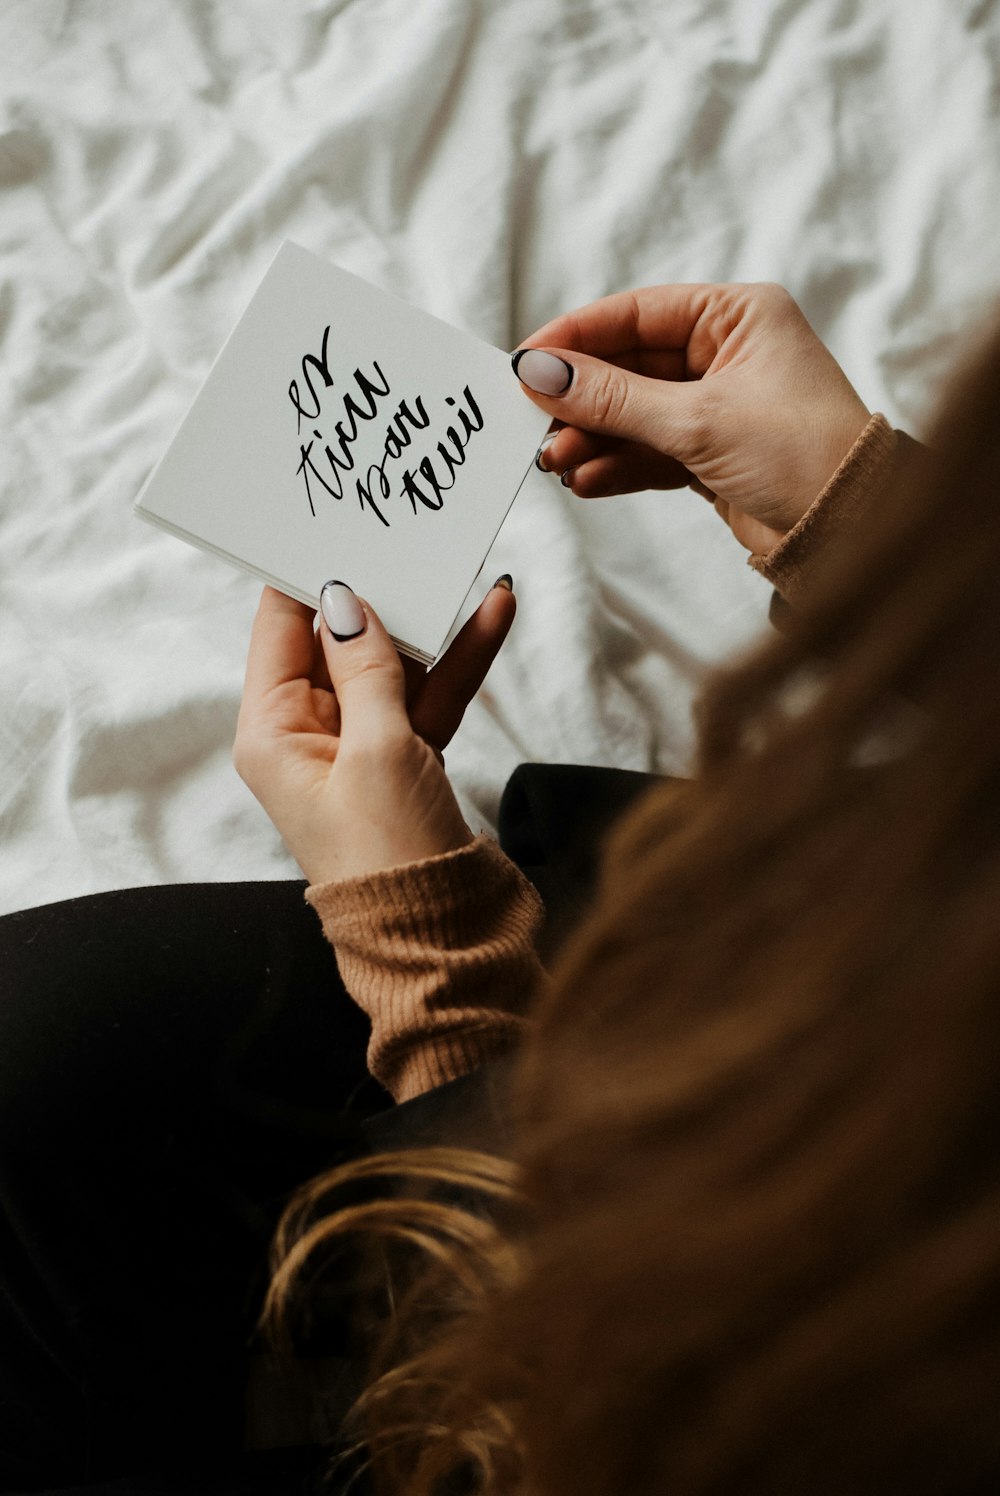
<point>758,1249</point>
<point>726,389</point>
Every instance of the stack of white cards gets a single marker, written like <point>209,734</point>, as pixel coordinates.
<point>344,434</point>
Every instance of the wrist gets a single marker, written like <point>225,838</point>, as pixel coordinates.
<point>839,510</point>
<point>368,848</point>
<point>368,881</point>
<point>827,446</point>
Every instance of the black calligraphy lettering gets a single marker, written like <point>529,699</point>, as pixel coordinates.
<point>307,466</point>
<point>419,422</point>
<point>453,462</point>
<point>356,411</point>
<point>370,390</point>
<point>397,438</point>
<point>424,483</point>
<point>413,491</point>
<point>322,367</point>
<point>336,467</point>
<point>452,459</point>
<point>477,413</point>
<point>440,489</point>
<point>364,488</point>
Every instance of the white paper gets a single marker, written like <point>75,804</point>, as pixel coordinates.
<point>344,434</point>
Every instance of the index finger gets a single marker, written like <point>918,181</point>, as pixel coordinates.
<point>281,644</point>
<point>661,317</point>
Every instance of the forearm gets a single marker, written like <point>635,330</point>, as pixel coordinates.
<point>441,956</point>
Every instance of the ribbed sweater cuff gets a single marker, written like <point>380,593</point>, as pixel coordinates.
<point>441,956</point>
<point>838,511</point>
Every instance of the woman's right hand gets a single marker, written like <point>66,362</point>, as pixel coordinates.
<point>723,388</point>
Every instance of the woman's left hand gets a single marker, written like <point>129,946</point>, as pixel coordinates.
<point>340,740</point>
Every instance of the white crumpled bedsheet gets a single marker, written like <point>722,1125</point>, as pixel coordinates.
<point>495,163</point>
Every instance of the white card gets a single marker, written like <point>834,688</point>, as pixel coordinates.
<point>344,434</point>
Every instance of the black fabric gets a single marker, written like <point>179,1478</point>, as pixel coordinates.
<point>264,1472</point>
<point>470,1112</point>
<point>552,822</point>
<point>173,1062</point>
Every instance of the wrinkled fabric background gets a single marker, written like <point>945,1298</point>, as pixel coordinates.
<point>495,163</point>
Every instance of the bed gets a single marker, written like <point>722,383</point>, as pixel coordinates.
<point>495,163</point>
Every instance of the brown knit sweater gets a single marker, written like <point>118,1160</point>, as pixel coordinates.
<point>441,954</point>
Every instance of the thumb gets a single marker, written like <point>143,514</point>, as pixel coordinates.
<point>600,397</point>
<point>365,671</point>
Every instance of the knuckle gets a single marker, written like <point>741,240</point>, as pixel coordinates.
<point>386,745</point>
<point>395,738</point>
<point>371,668</point>
<point>698,423</point>
<point>401,756</point>
<point>774,296</point>
<point>609,398</point>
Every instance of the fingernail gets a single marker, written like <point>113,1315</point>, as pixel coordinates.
<point>342,613</point>
<point>506,582</point>
<point>542,372</point>
<point>546,444</point>
<point>567,478</point>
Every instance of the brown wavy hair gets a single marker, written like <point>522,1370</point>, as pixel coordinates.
<point>751,1240</point>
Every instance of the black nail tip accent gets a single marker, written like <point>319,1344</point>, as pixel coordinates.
<point>343,638</point>
<point>516,358</point>
<point>506,581</point>
<point>336,582</point>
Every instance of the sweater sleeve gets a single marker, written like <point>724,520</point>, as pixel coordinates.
<point>441,956</point>
<point>838,510</point>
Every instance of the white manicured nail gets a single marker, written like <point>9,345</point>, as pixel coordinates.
<point>542,372</point>
<point>342,613</point>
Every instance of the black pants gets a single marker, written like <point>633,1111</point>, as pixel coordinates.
<point>173,1062</point>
